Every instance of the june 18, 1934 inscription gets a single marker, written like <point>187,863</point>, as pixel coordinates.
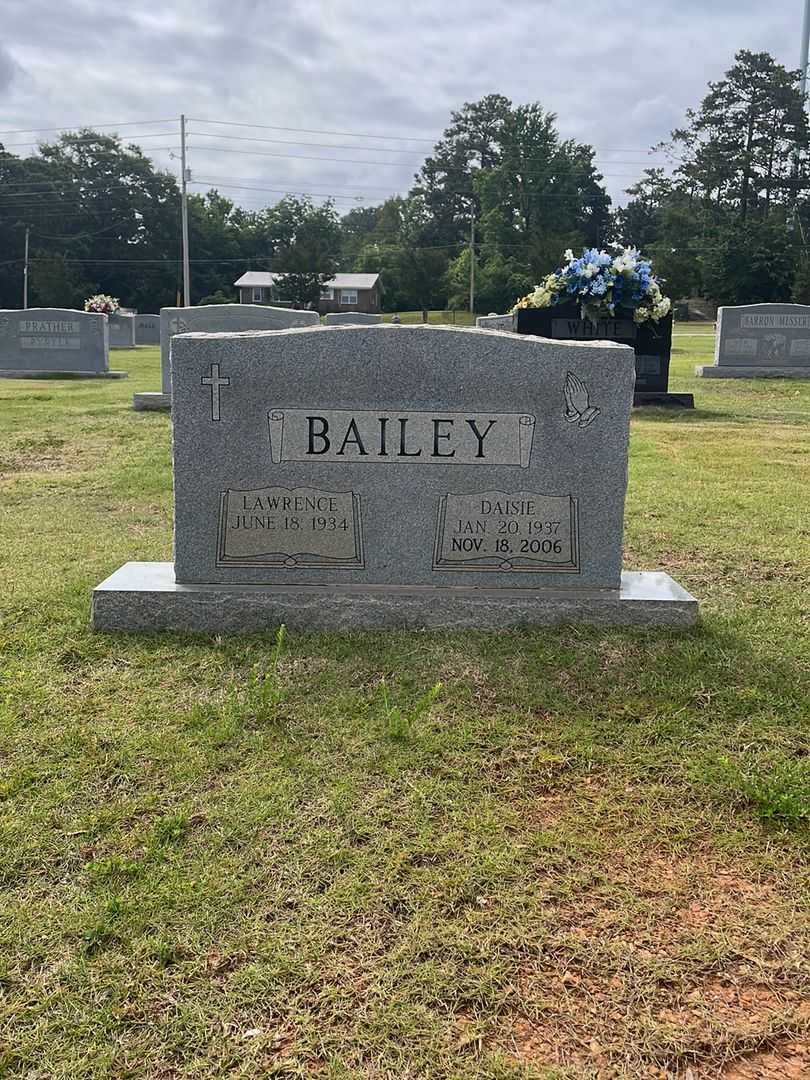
<point>402,436</point>
<point>497,530</point>
<point>290,527</point>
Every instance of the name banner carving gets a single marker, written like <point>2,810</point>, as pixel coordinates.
<point>775,322</point>
<point>401,436</point>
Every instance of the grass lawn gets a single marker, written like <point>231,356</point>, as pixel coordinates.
<point>238,857</point>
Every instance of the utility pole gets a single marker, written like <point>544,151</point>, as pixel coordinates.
<point>472,258</point>
<point>803,61</point>
<point>25,270</point>
<point>184,176</point>
<point>805,50</point>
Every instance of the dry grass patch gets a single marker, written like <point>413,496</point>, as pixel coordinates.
<point>658,962</point>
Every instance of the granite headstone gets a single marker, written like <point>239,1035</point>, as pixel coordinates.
<point>495,322</point>
<point>394,475</point>
<point>213,318</point>
<point>760,341</point>
<point>352,318</point>
<point>147,329</point>
<point>54,341</point>
<point>122,331</point>
<point>651,342</point>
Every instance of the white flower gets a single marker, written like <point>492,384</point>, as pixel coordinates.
<point>569,255</point>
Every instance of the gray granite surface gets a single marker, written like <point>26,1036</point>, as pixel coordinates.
<point>212,318</point>
<point>400,455</point>
<point>727,371</point>
<point>763,336</point>
<point>122,331</point>
<point>143,596</point>
<point>152,401</point>
<point>495,322</point>
<point>147,329</point>
<point>53,340</point>
<point>352,318</point>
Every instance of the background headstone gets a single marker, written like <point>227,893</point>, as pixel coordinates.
<point>122,331</point>
<point>214,318</point>
<point>495,322</point>
<point>147,329</point>
<point>338,477</point>
<point>352,318</point>
<point>651,342</point>
<point>54,341</point>
<point>761,341</point>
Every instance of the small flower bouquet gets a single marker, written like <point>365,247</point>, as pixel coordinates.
<point>102,304</point>
<point>603,284</point>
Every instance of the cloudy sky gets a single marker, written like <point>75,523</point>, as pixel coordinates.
<point>346,98</point>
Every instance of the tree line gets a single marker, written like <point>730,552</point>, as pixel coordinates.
<point>728,220</point>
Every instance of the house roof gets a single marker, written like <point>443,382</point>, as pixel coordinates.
<point>265,279</point>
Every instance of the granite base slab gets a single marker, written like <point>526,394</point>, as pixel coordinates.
<point>726,371</point>
<point>44,374</point>
<point>664,397</point>
<point>142,596</point>
<point>152,402</point>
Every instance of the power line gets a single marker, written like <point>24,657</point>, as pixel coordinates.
<point>401,164</point>
<point>79,127</point>
<point>297,142</point>
<point>311,131</point>
<point>83,142</point>
<point>286,191</point>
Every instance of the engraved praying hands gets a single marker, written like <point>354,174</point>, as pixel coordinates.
<point>577,402</point>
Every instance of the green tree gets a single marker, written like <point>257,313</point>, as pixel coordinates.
<point>751,262</point>
<point>532,194</point>
<point>306,245</point>
<point>742,147</point>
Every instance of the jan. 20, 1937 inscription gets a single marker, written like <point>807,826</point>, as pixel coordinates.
<point>497,530</point>
<point>290,528</point>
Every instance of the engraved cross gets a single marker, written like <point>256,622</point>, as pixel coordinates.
<point>215,381</point>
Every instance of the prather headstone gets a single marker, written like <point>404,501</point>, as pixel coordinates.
<point>54,342</point>
<point>352,318</point>
<point>122,331</point>
<point>213,318</point>
<point>147,329</point>
<point>343,477</point>
<point>495,322</point>
<point>761,341</point>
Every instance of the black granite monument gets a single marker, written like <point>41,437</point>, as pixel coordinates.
<point>652,343</point>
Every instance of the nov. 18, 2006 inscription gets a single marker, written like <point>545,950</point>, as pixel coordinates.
<point>290,528</point>
<point>498,530</point>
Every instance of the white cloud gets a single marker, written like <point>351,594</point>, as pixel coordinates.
<point>618,77</point>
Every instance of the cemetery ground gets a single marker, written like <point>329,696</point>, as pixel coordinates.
<point>559,852</point>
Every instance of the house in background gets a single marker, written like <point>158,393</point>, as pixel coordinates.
<point>345,292</point>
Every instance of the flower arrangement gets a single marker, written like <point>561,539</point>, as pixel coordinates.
<point>102,304</point>
<point>601,283</point>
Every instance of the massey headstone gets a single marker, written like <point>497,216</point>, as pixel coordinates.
<point>122,331</point>
<point>49,342</point>
<point>495,322</point>
<point>342,477</point>
<point>352,318</point>
<point>213,318</point>
<point>147,329</point>
<point>761,341</point>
